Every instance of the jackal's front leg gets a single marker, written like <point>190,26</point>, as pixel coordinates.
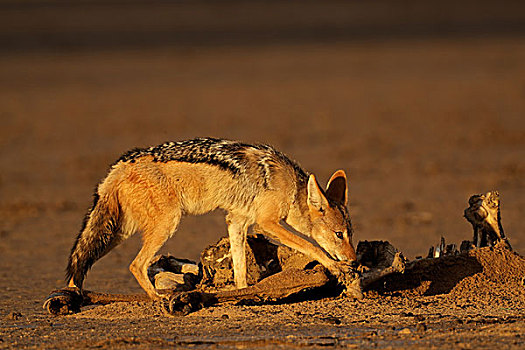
<point>275,230</point>
<point>237,230</point>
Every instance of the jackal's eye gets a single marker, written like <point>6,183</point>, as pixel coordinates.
<point>339,234</point>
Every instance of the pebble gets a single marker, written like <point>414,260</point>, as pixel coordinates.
<point>405,331</point>
<point>333,320</point>
<point>14,315</point>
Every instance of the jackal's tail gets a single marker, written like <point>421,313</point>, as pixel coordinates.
<point>97,236</point>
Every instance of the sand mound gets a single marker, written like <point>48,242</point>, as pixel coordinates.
<point>501,279</point>
<point>486,275</point>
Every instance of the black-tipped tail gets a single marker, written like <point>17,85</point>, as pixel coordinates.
<point>97,236</point>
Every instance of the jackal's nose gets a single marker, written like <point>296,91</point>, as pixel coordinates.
<point>350,252</point>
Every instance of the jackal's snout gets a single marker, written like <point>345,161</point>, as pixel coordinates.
<point>348,252</point>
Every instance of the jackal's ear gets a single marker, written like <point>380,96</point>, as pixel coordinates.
<point>316,199</point>
<point>336,189</point>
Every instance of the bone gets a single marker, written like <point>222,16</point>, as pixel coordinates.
<point>168,263</point>
<point>168,280</point>
<point>484,215</point>
<point>70,300</point>
<point>369,277</point>
<point>273,288</point>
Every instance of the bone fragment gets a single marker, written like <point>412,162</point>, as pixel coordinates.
<point>374,275</point>
<point>485,217</point>
<point>168,280</point>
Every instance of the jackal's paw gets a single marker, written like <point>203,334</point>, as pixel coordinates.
<point>347,275</point>
<point>353,288</point>
<point>340,269</point>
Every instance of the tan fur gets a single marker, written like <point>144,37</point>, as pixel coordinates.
<point>153,196</point>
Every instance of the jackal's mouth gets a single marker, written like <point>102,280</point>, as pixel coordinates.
<point>338,257</point>
<point>344,256</point>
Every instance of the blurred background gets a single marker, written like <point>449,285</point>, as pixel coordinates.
<point>421,102</point>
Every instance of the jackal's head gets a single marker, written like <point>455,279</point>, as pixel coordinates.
<point>331,225</point>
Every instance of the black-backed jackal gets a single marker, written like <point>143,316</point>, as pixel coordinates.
<point>149,190</point>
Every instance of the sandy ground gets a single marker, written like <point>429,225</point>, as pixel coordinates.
<point>419,125</point>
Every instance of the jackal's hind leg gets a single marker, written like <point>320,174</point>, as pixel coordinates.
<point>139,266</point>
<point>152,242</point>
<point>237,230</point>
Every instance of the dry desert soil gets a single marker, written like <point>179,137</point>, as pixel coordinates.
<point>418,123</point>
